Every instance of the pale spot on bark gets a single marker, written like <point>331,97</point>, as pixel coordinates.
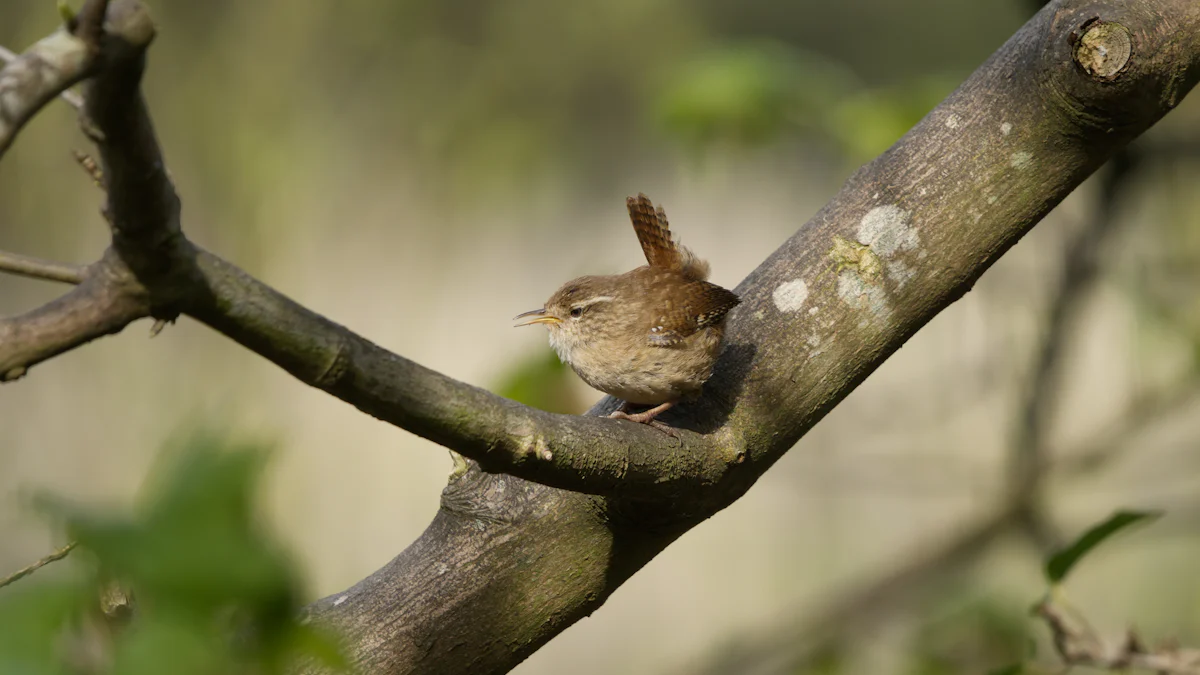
<point>900,272</point>
<point>864,296</point>
<point>886,229</point>
<point>953,122</point>
<point>10,100</point>
<point>790,295</point>
<point>1006,128</point>
<point>1020,160</point>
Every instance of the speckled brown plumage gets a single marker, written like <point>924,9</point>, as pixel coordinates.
<point>649,336</point>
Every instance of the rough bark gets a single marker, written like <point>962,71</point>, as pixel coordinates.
<point>575,505</point>
<point>935,211</point>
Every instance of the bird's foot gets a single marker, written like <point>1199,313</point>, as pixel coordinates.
<point>646,417</point>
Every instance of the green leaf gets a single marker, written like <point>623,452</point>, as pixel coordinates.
<point>542,381</point>
<point>65,12</point>
<point>190,645</point>
<point>747,94</point>
<point>1060,564</point>
<point>867,122</point>
<point>32,622</point>
<point>216,594</point>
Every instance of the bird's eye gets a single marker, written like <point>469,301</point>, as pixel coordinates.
<point>576,312</point>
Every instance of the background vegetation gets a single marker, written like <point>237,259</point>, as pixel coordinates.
<point>421,171</point>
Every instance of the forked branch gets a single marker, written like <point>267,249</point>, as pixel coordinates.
<point>153,270</point>
<point>903,239</point>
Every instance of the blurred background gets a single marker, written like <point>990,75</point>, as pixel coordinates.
<point>422,171</point>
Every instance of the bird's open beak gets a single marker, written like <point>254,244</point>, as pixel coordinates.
<point>539,316</point>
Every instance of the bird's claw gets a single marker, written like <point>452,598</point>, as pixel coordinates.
<point>647,419</point>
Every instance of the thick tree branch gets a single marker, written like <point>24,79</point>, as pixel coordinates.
<point>907,235</point>
<point>582,454</point>
<point>788,644</point>
<point>107,300</point>
<point>108,296</point>
<point>507,564</point>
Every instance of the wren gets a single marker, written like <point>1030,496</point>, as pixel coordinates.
<point>650,336</point>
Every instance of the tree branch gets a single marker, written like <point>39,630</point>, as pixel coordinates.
<point>104,303</point>
<point>1080,268</point>
<point>582,454</point>
<point>507,564</point>
<point>26,571</point>
<point>787,644</point>
<point>73,99</point>
<point>922,223</point>
<point>1078,645</point>
<point>47,69</point>
<point>36,268</point>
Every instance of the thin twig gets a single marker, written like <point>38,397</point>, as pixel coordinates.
<point>22,573</point>
<point>786,645</point>
<point>1111,440</point>
<point>36,268</point>
<point>790,643</point>
<point>1080,270</point>
<point>1078,645</point>
<point>67,95</point>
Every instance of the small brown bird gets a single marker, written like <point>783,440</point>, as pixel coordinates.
<point>649,336</point>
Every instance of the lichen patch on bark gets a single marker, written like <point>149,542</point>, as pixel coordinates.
<point>887,229</point>
<point>859,294</point>
<point>1020,160</point>
<point>790,295</point>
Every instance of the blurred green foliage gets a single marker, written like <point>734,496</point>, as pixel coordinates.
<point>1061,563</point>
<point>213,593</point>
<point>544,382</point>
<point>477,102</point>
<point>959,633</point>
<point>982,633</point>
<point>970,638</point>
<point>868,121</point>
<point>746,94</point>
<point>753,94</point>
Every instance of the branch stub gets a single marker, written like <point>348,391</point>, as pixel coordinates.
<point>1103,50</point>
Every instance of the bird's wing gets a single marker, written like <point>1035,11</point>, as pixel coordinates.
<point>702,306</point>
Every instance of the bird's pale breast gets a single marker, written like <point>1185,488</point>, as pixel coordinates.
<point>647,375</point>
